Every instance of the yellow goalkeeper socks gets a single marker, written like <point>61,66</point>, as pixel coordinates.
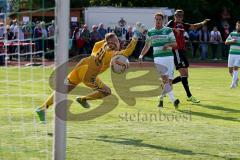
<point>47,103</point>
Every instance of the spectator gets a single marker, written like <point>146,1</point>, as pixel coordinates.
<point>102,31</point>
<point>12,25</point>
<point>51,29</point>
<point>27,31</point>
<point>94,35</point>
<point>204,38</point>
<point>18,33</point>
<point>2,55</point>
<point>117,31</point>
<point>8,35</point>
<point>225,31</point>
<point>32,25</point>
<point>85,35</point>
<point>194,39</point>
<point>44,35</point>
<point>51,33</point>
<point>37,35</point>
<point>109,29</point>
<point>216,40</point>
<point>78,42</point>
<point>129,34</point>
<point>75,36</point>
<point>1,29</point>
<point>44,30</point>
<point>19,36</point>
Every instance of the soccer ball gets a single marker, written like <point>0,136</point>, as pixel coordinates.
<point>119,63</point>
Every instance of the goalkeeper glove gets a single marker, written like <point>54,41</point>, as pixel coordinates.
<point>138,30</point>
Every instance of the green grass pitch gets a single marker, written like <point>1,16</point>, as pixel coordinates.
<point>209,130</point>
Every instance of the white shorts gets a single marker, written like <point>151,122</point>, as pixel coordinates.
<point>165,66</point>
<point>233,60</point>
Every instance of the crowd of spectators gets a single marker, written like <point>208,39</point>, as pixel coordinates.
<point>38,37</point>
<point>210,41</point>
<point>26,38</point>
<point>205,43</point>
<point>83,38</point>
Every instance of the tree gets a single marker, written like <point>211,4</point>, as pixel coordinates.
<point>79,3</point>
<point>195,11</point>
<point>17,5</point>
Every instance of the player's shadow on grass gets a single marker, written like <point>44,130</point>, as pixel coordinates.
<point>207,115</point>
<point>139,143</point>
<point>220,108</point>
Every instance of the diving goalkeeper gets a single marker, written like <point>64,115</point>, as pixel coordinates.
<point>88,69</point>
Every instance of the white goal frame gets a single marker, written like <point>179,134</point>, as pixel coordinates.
<point>61,56</point>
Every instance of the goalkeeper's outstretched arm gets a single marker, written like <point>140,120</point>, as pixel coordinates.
<point>130,48</point>
<point>140,28</point>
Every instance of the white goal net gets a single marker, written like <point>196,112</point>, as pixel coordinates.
<point>27,57</point>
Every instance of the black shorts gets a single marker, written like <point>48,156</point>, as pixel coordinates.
<point>180,59</point>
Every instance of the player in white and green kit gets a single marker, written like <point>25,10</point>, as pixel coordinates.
<point>234,54</point>
<point>162,39</point>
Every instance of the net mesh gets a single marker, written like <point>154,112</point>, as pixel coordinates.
<point>26,55</point>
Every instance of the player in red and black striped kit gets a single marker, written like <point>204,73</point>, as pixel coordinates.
<point>180,59</point>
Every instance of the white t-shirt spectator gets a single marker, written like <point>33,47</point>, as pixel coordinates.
<point>18,33</point>
<point>215,37</point>
<point>51,30</point>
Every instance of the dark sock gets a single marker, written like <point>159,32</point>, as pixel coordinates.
<point>186,87</point>
<point>176,80</point>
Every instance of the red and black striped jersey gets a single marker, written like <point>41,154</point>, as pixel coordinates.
<point>182,27</point>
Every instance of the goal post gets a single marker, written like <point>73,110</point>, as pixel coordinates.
<point>61,52</point>
<point>32,32</point>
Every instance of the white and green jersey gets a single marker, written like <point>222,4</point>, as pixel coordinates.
<point>158,38</point>
<point>234,48</point>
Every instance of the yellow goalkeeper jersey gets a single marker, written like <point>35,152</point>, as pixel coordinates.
<point>90,67</point>
<point>103,56</point>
